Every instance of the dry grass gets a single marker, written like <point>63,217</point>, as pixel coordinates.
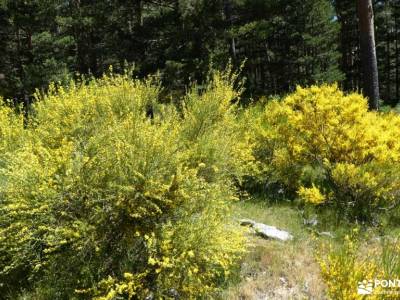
<point>273,269</point>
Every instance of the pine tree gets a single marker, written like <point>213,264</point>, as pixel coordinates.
<point>349,45</point>
<point>387,28</point>
<point>289,43</point>
<point>368,52</point>
<point>35,50</point>
<point>396,16</point>
<point>320,42</point>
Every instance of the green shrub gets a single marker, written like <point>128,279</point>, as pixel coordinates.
<point>11,131</point>
<point>359,258</point>
<point>330,150</point>
<point>214,132</point>
<point>102,201</point>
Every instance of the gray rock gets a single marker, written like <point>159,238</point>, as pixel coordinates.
<point>247,222</point>
<point>311,222</point>
<point>266,231</point>
<point>326,233</point>
<point>283,280</point>
<point>272,232</point>
<point>150,296</point>
<point>174,294</point>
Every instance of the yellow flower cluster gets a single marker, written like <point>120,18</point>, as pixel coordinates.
<point>311,195</point>
<point>131,203</point>
<point>356,260</point>
<point>319,139</point>
<point>11,130</point>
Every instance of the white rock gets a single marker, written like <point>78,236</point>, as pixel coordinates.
<point>311,222</point>
<point>272,232</point>
<point>283,280</point>
<point>267,231</point>
<point>247,222</point>
<point>326,233</point>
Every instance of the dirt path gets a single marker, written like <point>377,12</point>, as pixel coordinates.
<point>274,269</point>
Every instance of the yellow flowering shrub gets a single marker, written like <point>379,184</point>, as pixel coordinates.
<point>342,268</point>
<point>311,195</point>
<point>358,260</point>
<point>102,200</point>
<point>219,140</point>
<point>329,148</point>
<point>11,130</point>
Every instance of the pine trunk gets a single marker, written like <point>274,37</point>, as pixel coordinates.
<point>397,53</point>
<point>368,52</point>
<point>228,17</point>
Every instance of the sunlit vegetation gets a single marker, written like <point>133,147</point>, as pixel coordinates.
<point>139,197</point>
<point>101,199</point>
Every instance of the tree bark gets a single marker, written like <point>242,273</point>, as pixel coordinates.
<point>388,55</point>
<point>229,24</point>
<point>397,52</point>
<point>368,52</point>
<point>138,13</point>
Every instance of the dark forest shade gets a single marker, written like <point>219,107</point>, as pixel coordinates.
<point>284,43</point>
<point>368,52</point>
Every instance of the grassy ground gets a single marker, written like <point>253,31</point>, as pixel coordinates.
<point>288,270</point>
<point>274,269</point>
